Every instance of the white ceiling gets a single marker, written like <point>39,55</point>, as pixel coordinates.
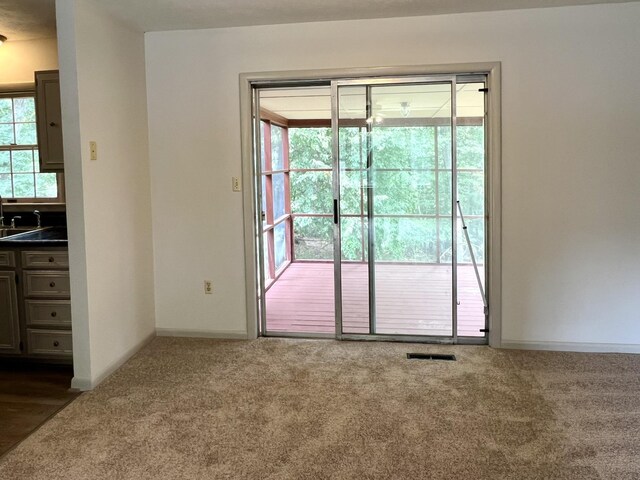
<point>29,19</point>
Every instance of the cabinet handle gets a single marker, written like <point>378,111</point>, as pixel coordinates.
<point>56,343</point>
<point>51,259</point>
<point>52,124</point>
<point>52,284</point>
<point>54,314</point>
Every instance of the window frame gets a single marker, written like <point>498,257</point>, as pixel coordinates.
<point>272,271</point>
<point>60,199</point>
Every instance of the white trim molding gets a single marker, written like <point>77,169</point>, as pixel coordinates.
<point>222,334</point>
<point>84,384</point>
<point>494,169</point>
<point>572,347</point>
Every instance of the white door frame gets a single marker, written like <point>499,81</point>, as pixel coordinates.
<point>493,173</point>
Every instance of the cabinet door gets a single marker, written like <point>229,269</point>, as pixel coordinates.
<point>49,121</point>
<point>9,324</point>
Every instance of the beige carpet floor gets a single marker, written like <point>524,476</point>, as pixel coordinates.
<point>303,409</point>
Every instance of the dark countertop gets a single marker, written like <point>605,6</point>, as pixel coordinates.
<point>44,237</point>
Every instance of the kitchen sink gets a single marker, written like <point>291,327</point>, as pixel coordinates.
<point>8,231</point>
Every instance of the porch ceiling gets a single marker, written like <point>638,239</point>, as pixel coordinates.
<point>421,101</point>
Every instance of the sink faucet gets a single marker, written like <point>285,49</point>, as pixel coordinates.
<point>1,213</point>
<point>37,214</point>
<point>13,221</point>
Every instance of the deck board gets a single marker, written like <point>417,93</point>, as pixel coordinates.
<point>410,299</point>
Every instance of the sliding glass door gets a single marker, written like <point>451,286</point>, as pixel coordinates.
<point>395,215</point>
<point>372,202</point>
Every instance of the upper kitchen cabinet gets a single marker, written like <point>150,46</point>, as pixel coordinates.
<point>49,120</point>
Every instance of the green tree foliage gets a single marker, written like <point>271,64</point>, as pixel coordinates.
<point>310,148</point>
<point>410,184</point>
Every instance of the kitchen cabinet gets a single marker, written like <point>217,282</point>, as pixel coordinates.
<point>35,305</point>
<point>47,303</point>
<point>49,121</point>
<point>9,319</point>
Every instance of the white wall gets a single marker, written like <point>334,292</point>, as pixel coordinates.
<point>571,195</point>
<point>19,59</point>
<point>109,210</point>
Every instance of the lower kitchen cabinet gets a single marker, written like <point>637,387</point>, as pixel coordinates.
<point>9,317</point>
<point>35,305</point>
<point>48,313</point>
<point>49,342</point>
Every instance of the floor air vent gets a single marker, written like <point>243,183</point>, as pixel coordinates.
<point>430,356</point>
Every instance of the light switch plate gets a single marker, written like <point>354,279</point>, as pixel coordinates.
<point>93,149</point>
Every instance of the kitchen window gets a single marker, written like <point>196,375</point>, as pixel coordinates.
<point>20,176</point>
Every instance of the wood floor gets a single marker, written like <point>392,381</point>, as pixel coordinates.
<point>410,300</point>
<point>29,395</point>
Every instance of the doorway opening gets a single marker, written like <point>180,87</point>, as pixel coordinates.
<point>371,197</point>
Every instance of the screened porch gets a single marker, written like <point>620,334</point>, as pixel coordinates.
<point>411,235</point>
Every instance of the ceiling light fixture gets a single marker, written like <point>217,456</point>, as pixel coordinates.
<point>405,109</point>
<point>2,39</point>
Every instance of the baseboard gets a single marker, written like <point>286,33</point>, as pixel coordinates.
<point>223,334</point>
<point>81,384</point>
<point>572,346</point>
<point>85,384</point>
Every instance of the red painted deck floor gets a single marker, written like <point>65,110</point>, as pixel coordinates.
<point>410,300</point>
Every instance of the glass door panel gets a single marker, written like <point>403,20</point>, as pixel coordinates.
<point>413,287</point>
<point>395,207</point>
<point>354,143</point>
<point>470,179</point>
<point>297,225</point>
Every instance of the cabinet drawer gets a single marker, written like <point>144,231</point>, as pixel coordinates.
<point>45,259</point>
<point>48,313</point>
<point>46,284</point>
<point>7,259</point>
<point>49,342</point>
